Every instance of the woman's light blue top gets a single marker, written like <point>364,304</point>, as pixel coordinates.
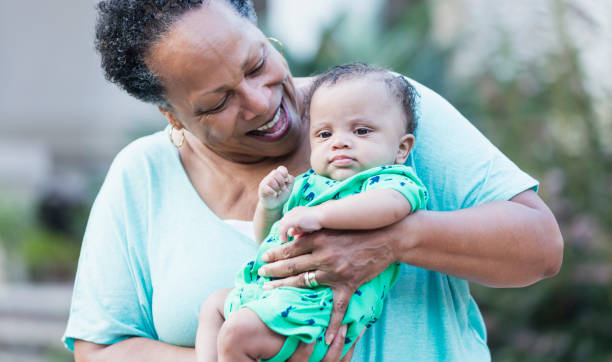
<point>153,251</point>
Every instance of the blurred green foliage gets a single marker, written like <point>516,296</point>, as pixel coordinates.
<point>543,118</point>
<point>37,249</point>
<point>49,255</point>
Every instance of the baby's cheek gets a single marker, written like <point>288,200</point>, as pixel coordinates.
<point>318,163</point>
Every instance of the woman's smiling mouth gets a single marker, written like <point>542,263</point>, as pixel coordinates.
<point>275,128</point>
<point>272,123</point>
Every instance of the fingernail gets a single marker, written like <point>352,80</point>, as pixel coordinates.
<point>267,286</point>
<point>329,338</point>
<point>264,258</point>
<point>261,272</point>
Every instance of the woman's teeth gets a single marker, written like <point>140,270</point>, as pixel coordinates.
<point>272,123</point>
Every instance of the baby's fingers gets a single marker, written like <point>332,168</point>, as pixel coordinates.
<point>283,230</point>
<point>290,180</point>
<point>268,191</point>
<point>282,171</point>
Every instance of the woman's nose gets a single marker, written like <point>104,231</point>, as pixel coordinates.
<point>256,100</point>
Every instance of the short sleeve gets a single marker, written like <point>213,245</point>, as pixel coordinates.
<point>404,181</point>
<point>457,164</point>
<point>112,293</point>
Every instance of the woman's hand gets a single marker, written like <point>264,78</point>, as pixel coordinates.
<point>342,260</point>
<point>334,352</point>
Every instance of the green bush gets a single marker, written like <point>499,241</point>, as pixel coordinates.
<point>49,256</point>
<point>43,254</point>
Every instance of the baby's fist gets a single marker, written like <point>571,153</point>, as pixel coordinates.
<point>275,188</point>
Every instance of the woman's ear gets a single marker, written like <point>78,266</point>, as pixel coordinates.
<point>405,146</point>
<point>174,122</point>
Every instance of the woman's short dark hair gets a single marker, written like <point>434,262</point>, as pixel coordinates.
<point>397,84</point>
<point>125,32</point>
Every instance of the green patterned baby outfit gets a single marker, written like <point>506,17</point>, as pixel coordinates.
<point>303,314</point>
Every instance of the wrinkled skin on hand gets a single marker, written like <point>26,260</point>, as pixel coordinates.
<point>303,352</point>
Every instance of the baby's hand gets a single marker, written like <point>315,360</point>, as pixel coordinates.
<point>275,188</point>
<point>297,221</point>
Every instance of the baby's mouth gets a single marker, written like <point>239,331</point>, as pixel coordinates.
<point>342,160</point>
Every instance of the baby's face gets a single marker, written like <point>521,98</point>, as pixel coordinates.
<point>355,125</point>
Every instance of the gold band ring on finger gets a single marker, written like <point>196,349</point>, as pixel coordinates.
<point>307,280</point>
<point>312,280</point>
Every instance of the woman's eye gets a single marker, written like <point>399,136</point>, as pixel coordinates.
<point>325,134</point>
<point>259,67</point>
<point>362,131</point>
<point>218,108</point>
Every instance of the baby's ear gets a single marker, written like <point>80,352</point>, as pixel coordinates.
<point>406,144</point>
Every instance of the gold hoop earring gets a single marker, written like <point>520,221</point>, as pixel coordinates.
<point>181,140</point>
<point>278,42</point>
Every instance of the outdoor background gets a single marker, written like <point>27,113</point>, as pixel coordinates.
<point>534,77</point>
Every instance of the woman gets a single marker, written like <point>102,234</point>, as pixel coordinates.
<point>157,245</point>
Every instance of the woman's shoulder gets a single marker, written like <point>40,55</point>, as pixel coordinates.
<point>303,82</point>
<point>429,101</point>
<point>145,155</point>
<point>155,146</point>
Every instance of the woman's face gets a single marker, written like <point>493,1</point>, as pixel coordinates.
<point>227,85</point>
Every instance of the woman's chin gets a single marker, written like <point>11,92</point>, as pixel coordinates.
<point>261,151</point>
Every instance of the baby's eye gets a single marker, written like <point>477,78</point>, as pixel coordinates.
<point>325,134</point>
<point>362,131</point>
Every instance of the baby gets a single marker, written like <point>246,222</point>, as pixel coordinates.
<point>362,121</point>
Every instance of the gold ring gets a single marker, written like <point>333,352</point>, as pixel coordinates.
<point>312,280</point>
<point>307,280</point>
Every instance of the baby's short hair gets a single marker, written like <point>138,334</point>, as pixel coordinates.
<point>398,85</point>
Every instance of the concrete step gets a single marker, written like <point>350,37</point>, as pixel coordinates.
<point>47,301</point>
<point>32,320</point>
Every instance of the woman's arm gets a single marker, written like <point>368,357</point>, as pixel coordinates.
<point>132,349</point>
<point>500,244</point>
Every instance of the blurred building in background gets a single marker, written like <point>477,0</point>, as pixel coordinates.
<point>58,116</point>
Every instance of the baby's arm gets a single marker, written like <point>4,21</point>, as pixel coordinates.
<point>273,192</point>
<point>370,209</point>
